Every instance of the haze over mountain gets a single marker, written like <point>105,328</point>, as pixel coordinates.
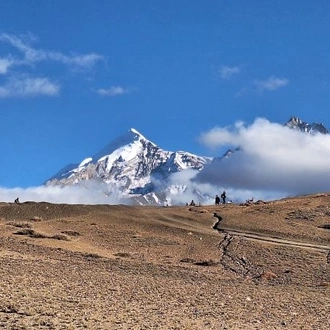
<point>135,170</point>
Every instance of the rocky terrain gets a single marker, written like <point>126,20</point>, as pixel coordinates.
<point>265,266</point>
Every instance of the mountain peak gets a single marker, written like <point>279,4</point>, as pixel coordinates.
<point>133,130</point>
<point>294,121</point>
<point>134,168</point>
<point>297,124</point>
<point>130,137</point>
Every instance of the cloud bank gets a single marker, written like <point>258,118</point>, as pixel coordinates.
<point>274,160</point>
<point>67,195</point>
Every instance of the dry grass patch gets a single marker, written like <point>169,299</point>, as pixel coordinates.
<point>33,234</point>
<point>19,224</point>
<point>71,233</point>
<point>122,254</point>
<point>60,237</point>
<point>92,256</point>
<point>35,218</point>
<point>199,262</point>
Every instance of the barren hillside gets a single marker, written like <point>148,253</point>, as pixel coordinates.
<point>122,267</point>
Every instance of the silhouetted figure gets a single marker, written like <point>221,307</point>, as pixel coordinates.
<point>223,196</point>
<point>17,201</point>
<point>192,203</point>
<point>217,200</point>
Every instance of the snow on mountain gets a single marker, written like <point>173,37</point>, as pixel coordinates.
<point>136,170</point>
<point>133,168</point>
<point>297,124</point>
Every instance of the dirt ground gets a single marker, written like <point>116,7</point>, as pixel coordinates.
<point>266,266</point>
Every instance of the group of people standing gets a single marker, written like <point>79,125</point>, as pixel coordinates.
<point>217,200</point>
<point>223,197</point>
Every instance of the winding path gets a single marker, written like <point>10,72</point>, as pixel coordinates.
<point>274,240</point>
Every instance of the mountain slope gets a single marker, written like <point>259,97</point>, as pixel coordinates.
<point>131,167</point>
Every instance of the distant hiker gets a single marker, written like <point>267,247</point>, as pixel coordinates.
<point>192,203</point>
<point>17,201</point>
<point>223,196</point>
<point>215,226</point>
<point>217,200</point>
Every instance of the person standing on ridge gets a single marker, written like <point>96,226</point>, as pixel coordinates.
<point>217,200</point>
<point>223,196</point>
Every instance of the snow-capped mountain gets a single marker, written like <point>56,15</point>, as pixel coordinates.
<point>132,167</point>
<point>297,124</point>
<point>135,170</point>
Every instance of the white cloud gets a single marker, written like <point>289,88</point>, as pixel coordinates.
<point>204,192</point>
<point>67,195</point>
<point>274,160</point>
<point>26,87</point>
<point>5,64</point>
<point>83,61</point>
<point>227,72</point>
<point>33,55</point>
<point>271,84</point>
<point>113,91</point>
<point>29,56</point>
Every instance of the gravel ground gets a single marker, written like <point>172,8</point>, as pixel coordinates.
<point>119,267</point>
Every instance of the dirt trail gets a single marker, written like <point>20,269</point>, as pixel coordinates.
<point>274,240</point>
<point>201,228</point>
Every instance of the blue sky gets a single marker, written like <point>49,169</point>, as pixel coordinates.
<point>75,75</point>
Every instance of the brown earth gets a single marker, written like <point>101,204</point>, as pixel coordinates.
<point>124,267</point>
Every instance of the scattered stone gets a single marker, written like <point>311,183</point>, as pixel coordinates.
<point>19,224</point>
<point>36,219</point>
<point>268,275</point>
<point>70,233</point>
<point>122,254</point>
